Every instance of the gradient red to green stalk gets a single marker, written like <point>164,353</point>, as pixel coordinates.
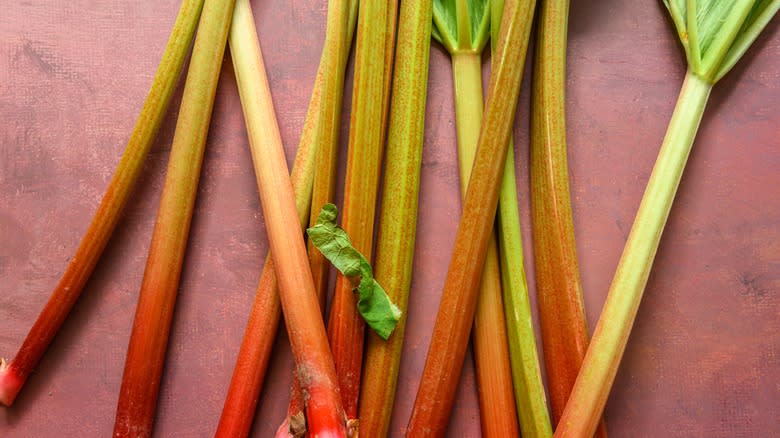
<point>243,394</point>
<point>364,157</point>
<point>489,334</point>
<point>558,287</point>
<point>64,296</point>
<point>398,217</point>
<point>306,330</point>
<point>436,393</point>
<point>149,338</point>
<point>338,39</point>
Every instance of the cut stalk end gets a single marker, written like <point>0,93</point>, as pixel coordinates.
<point>293,426</point>
<point>10,383</point>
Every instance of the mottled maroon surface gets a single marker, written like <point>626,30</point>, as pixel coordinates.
<point>704,357</point>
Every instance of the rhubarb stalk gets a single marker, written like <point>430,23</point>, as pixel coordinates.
<point>149,338</point>
<point>325,172</point>
<point>462,27</point>
<point>248,375</point>
<point>14,374</point>
<point>364,157</point>
<point>398,216</point>
<point>524,357</point>
<point>338,38</point>
<point>444,362</point>
<point>306,330</point>
<point>391,24</point>
<point>491,351</point>
<point>558,286</point>
<point>715,34</point>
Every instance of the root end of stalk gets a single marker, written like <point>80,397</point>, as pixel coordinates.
<point>298,425</point>
<point>353,427</point>
<point>284,429</point>
<point>293,426</point>
<point>10,383</point>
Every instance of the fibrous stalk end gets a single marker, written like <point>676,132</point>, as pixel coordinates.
<point>353,425</point>
<point>10,383</point>
<point>293,426</point>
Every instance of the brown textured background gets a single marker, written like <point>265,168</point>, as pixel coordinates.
<point>704,357</point>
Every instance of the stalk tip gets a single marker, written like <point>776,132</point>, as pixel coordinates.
<point>10,383</point>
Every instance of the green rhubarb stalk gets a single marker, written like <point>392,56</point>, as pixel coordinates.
<point>715,34</point>
<point>364,157</point>
<point>562,318</point>
<point>398,216</point>
<point>392,28</point>
<point>149,338</point>
<point>341,23</point>
<point>447,351</point>
<point>524,357</point>
<point>14,374</point>
<point>462,27</point>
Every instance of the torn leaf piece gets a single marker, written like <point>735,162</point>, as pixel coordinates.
<point>373,303</point>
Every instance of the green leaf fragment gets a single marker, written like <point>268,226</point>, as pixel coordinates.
<point>376,308</point>
<point>373,303</point>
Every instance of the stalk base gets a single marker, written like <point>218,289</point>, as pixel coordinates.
<point>293,426</point>
<point>10,383</point>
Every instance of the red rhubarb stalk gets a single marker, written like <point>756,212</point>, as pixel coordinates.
<point>491,349</point>
<point>444,362</point>
<point>248,375</point>
<point>338,40</point>
<point>558,287</point>
<point>243,394</point>
<point>149,338</point>
<point>314,363</point>
<point>14,373</point>
<point>364,156</point>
